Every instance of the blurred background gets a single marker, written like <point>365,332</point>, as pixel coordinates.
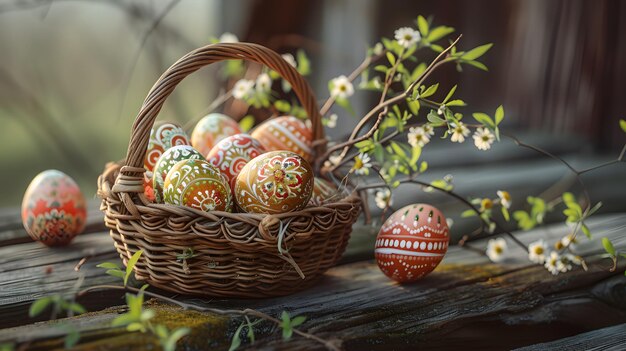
<point>73,75</point>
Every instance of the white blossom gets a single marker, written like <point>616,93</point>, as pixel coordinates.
<point>228,38</point>
<point>263,83</point>
<point>407,36</point>
<point>497,249</point>
<point>362,164</point>
<point>333,160</point>
<point>483,138</point>
<point>290,59</point>
<point>459,132</point>
<point>441,109</point>
<point>341,87</point>
<point>383,198</point>
<point>243,88</point>
<point>428,129</point>
<point>417,136</point>
<point>537,251</point>
<point>505,198</point>
<point>331,122</point>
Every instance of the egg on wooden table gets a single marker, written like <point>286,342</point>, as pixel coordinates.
<point>285,133</point>
<point>197,184</point>
<point>323,191</point>
<point>53,208</point>
<point>274,182</point>
<point>412,242</point>
<point>163,136</point>
<point>211,129</point>
<point>165,163</point>
<point>232,153</point>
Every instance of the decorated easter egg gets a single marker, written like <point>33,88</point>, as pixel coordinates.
<point>285,133</point>
<point>232,153</point>
<point>412,242</point>
<point>165,163</point>
<point>323,191</point>
<point>274,182</point>
<point>211,129</point>
<point>163,136</point>
<point>197,184</point>
<point>53,208</point>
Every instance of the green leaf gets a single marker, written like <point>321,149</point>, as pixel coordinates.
<point>76,308</point>
<point>431,90</point>
<point>414,106</point>
<point>298,321</point>
<point>131,264</point>
<point>39,306</point>
<point>108,265</point>
<point>71,339</point>
<point>423,166</point>
<point>172,340</point>
<point>416,152</point>
<point>435,119</point>
<point>345,103</point>
<point>505,214</point>
<point>391,58</point>
<point>282,106</point>
<point>456,102</point>
<point>608,246</point>
<point>439,32</point>
<point>304,65</point>
<point>468,213</point>
<point>450,93</point>
<point>484,119</point>
<point>398,150</point>
<point>568,198</point>
<point>422,24</point>
<point>115,273</point>
<point>436,48</point>
<point>246,123</point>
<point>499,114</point>
<point>478,65</point>
<point>622,124</point>
<point>477,52</point>
<point>585,230</point>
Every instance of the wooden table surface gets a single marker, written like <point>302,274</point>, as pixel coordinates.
<point>467,302</point>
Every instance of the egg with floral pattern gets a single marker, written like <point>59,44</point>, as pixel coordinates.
<point>285,133</point>
<point>323,191</point>
<point>53,208</point>
<point>211,129</point>
<point>163,136</point>
<point>274,182</point>
<point>412,242</point>
<point>232,153</point>
<point>197,184</point>
<point>165,163</point>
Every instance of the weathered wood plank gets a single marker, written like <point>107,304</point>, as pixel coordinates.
<point>465,302</point>
<point>607,339</point>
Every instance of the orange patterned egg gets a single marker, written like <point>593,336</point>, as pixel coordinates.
<point>232,153</point>
<point>274,182</point>
<point>197,184</point>
<point>323,191</point>
<point>412,242</point>
<point>163,136</point>
<point>285,133</point>
<point>165,163</point>
<point>211,129</point>
<point>53,208</point>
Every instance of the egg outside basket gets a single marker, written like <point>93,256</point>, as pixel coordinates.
<point>234,254</point>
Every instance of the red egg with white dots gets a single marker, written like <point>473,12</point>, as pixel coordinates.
<point>412,242</point>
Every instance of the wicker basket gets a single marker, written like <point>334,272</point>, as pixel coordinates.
<point>235,254</point>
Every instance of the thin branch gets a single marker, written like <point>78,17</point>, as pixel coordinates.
<point>187,306</point>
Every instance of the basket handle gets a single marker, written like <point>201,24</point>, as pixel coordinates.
<point>204,56</point>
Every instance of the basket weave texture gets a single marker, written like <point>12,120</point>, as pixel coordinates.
<point>234,254</point>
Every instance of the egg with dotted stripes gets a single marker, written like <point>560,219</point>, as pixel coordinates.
<point>285,133</point>
<point>232,153</point>
<point>163,136</point>
<point>274,182</point>
<point>197,184</point>
<point>211,129</point>
<point>53,208</point>
<point>412,242</point>
<point>165,163</point>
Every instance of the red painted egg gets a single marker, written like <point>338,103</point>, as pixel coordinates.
<point>285,133</point>
<point>53,209</point>
<point>274,182</point>
<point>165,163</point>
<point>148,190</point>
<point>323,191</point>
<point>211,129</point>
<point>197,184</point>
<point>232,153</point>
<point>163,136</point>
<point>412,242</point>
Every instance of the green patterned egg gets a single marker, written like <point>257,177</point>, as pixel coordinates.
<point>165,163</point>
